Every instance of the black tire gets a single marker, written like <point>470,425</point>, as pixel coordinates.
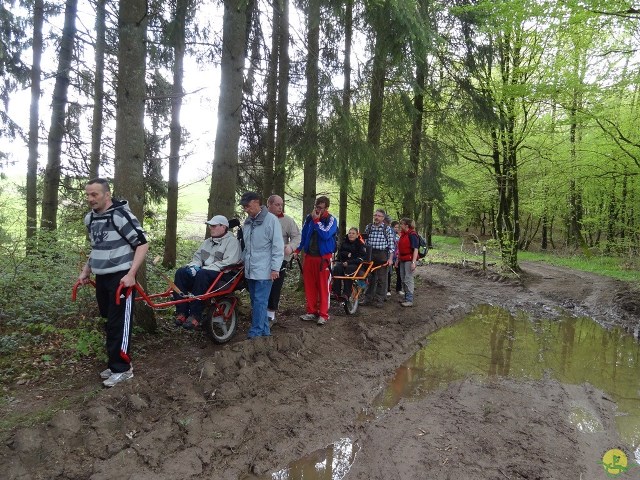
<point>221,330</point>
<point>351,305</point>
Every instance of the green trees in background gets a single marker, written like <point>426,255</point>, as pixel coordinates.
<point>513,119</point>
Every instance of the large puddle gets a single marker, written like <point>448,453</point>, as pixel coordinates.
<point>492,342</point>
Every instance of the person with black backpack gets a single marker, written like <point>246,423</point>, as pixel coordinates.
<point>118,248</point>
<point>407,257</point>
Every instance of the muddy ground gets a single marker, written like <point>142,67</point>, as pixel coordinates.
<point>250,408</point>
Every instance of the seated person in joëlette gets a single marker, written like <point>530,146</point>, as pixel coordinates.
<point>351,254</point>
<point>220,250</point>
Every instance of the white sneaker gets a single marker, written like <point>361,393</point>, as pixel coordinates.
<point>321,321</point>
<point>400,292</point>
<point>116,378</point>
<point>107,373</point>
<point>308,317</point>
<point>388,294</point>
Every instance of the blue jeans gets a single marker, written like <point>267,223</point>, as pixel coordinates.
<point>259,292</point>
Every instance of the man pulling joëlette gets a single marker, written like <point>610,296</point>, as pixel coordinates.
<point>118,249</point>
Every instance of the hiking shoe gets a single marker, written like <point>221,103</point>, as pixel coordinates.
<point>116,378</point>
<point>179,320</point>
<point>407,304</point>
<point>272,322</point>
<point>321,321</point>
<point>379,304</point>
<point>191,323</point>
<point>308,317</point>
<point>107,373</point>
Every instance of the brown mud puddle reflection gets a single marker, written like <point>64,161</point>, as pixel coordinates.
<point>491,342</point>
<point>329,463</point>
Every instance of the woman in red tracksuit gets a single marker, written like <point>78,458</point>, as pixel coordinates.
<point>318,242</point>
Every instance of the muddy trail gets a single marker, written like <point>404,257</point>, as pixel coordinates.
<point>251,408</point>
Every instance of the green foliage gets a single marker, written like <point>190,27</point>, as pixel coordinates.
<point>450,249</point>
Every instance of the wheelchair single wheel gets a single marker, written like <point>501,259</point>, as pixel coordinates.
<point>351,303</point>
<point>221,320</point>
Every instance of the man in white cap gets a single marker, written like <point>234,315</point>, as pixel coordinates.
<point>215,253</point>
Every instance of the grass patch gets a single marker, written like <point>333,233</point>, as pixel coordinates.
<point>626,269</point>
<point>454,250</point>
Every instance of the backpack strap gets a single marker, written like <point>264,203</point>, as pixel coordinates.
<point>115,227</point>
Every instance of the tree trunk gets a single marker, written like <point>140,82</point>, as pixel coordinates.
<point>175,134</point>
<point>272,98</point>
<point>98,95</point>
<point>130,135</point>
<point>282,137</point>
<point>34,119</point>
<point>374,130</point>
<point>346,112</point>
<point>409,207</point>
<point>225,157</point>
<point>57,129</point>
<point>311,106</point>
<point>575,237</point>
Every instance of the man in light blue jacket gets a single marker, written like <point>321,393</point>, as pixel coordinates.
<point>262,257</point>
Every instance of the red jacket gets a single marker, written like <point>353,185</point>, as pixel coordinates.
<point>408,242</point>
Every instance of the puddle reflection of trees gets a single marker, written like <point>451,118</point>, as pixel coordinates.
<point>492,342</point>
